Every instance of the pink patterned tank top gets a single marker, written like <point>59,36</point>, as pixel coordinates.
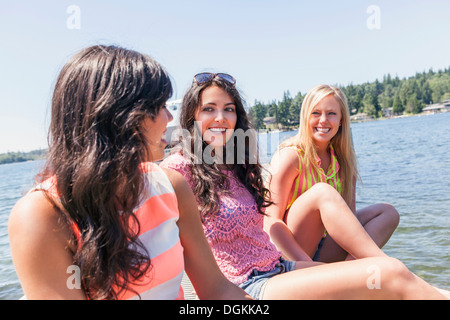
<point>235,234</point>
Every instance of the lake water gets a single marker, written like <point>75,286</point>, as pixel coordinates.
<point>403,161</point>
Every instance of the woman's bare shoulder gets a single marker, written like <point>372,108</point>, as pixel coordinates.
<point>34,218</point>
<point>285,158</point>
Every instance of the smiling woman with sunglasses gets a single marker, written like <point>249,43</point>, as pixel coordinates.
<point>232,198</point>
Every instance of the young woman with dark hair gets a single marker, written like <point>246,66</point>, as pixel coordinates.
<point>105,222</point>
<point>213,145</point>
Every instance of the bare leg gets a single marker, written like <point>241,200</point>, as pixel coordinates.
<point>369,278</point>
<point>323,207</point>
<point>379,220</point>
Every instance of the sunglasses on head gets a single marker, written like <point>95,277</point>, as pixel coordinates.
<point>203,77</point>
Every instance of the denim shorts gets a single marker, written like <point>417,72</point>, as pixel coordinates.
<point>319,248</point>
<point>257,280</point>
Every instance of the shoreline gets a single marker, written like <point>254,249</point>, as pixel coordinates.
<point>37,154</point>
<point>426,113</point>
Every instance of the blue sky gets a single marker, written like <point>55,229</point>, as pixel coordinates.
<point>269,46</point>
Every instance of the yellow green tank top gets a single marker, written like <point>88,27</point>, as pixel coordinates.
<point>307,177</point>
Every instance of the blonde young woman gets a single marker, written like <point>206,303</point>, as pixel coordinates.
<point>321,152</point>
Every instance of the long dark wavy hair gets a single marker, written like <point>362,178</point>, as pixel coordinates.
<point>208,176</point>
<point>95,148</point>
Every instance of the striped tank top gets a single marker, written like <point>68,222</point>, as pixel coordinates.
<point>157,214</point>
<point>307,177</point>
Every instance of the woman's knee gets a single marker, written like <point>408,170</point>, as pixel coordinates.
<point>394,275</point>
<point>391,214</point>
<point>323,191</point>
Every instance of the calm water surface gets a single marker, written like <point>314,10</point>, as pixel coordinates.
<point>15,180</point>
<point>401,161</point>
<point>406,162</point>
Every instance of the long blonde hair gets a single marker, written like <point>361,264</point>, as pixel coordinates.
<point>342,142</point>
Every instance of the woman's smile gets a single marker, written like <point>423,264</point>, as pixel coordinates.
<point>216,116</point>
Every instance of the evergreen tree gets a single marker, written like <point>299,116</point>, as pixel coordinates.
<point>413,105</point>
<point>294,110</point>
<point>258,113</point>
<point>283,109</point>
<point>370,101</point>
<point>397,106</point>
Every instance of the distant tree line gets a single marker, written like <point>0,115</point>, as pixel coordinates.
<point>404,96</point>
<point>11,157</point>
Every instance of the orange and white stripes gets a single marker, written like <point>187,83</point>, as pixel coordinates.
<point>157,214</point>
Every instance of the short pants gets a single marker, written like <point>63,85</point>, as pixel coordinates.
<point>319,248</point>
<point>257,280</point>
